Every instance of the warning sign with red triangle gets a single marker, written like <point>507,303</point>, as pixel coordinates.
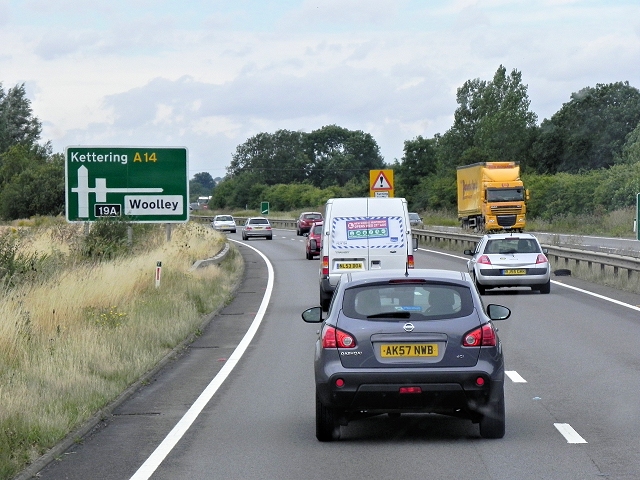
<point>381,182</point>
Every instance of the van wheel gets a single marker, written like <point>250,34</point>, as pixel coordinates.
<point>325,300</point>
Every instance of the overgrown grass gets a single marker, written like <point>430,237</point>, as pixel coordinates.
<point>72,340</point>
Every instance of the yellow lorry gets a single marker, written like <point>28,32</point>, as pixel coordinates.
<point>491,197</point>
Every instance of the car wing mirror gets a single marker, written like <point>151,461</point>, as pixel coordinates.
<point>498,312</point>
<point>312,315</point>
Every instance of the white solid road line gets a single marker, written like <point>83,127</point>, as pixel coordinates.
<point>555,282</point>
<point>569,433</point>
<point>160,453</point>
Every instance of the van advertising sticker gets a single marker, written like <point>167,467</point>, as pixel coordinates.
<point>369,228</point>
<point>368,232</point>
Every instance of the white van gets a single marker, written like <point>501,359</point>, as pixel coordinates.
<point>367,233</point>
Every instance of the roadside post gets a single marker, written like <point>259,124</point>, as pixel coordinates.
<point>158,273</point>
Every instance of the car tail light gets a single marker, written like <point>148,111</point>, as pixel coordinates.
<point>333,337</point>
<point>268,228</point>
<point>325,265</point>
<point>410,262</point>
<point>247,228</point>
<point>484,260</point>
<point>484,336</point>
<point>541,258</point>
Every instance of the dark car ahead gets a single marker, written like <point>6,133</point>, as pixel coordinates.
<point>415,341</point>
<point>313,245</point>
<point>305,220</point>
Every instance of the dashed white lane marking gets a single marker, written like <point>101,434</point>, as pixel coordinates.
<point>569,433</point>
<point>515,376</point>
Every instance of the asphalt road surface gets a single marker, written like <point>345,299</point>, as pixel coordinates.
<point>571,397</point>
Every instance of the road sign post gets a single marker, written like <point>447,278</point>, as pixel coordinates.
<point>143,184</point>
<point>637,223</point>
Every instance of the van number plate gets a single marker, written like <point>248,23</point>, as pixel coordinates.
<point>349,266</point>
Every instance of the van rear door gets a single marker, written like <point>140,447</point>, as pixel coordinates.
<point>371,235</point>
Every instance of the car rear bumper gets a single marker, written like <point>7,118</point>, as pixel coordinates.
<point>447,392</point>
<point>495,278</point>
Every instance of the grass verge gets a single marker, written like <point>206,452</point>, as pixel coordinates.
<point>72,340</point>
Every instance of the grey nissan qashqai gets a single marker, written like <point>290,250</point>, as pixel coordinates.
<point>414,341</point>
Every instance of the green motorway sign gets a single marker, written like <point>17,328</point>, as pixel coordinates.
<point>145,184</point>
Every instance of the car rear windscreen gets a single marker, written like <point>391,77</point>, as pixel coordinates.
<point>407,300</point>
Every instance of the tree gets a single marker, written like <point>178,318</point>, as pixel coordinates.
<point>205,180</point>
<point>17,123</point>
<point>418,161</point>
<point>338,155</point>
<point>631,149</point>
<point>201,185</point>
<point>493,118</point>
<point>589,131</point>
<point>39,190</point>
<point>276,158</point>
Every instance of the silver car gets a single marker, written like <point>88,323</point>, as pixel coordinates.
<point>224,223</point>
<point>509,260</point>
<point>257,227</point>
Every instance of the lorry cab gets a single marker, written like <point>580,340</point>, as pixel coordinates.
<point>362,234</point>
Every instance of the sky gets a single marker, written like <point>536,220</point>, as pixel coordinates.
<point>210,74</point>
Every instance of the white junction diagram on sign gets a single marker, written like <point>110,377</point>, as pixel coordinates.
<point>100,190</point>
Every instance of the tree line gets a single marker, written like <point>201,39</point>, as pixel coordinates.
<point>584,159</point>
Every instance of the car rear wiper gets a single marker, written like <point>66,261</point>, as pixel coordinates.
<point>391,315</point>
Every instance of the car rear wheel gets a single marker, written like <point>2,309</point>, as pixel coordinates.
<point>244,237</point>
<point>327,427</point>
<point>546,288</point>
<point>269,237</point>
<point>309,256</point>
<point>492,424</point>
<point>480,287</point>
